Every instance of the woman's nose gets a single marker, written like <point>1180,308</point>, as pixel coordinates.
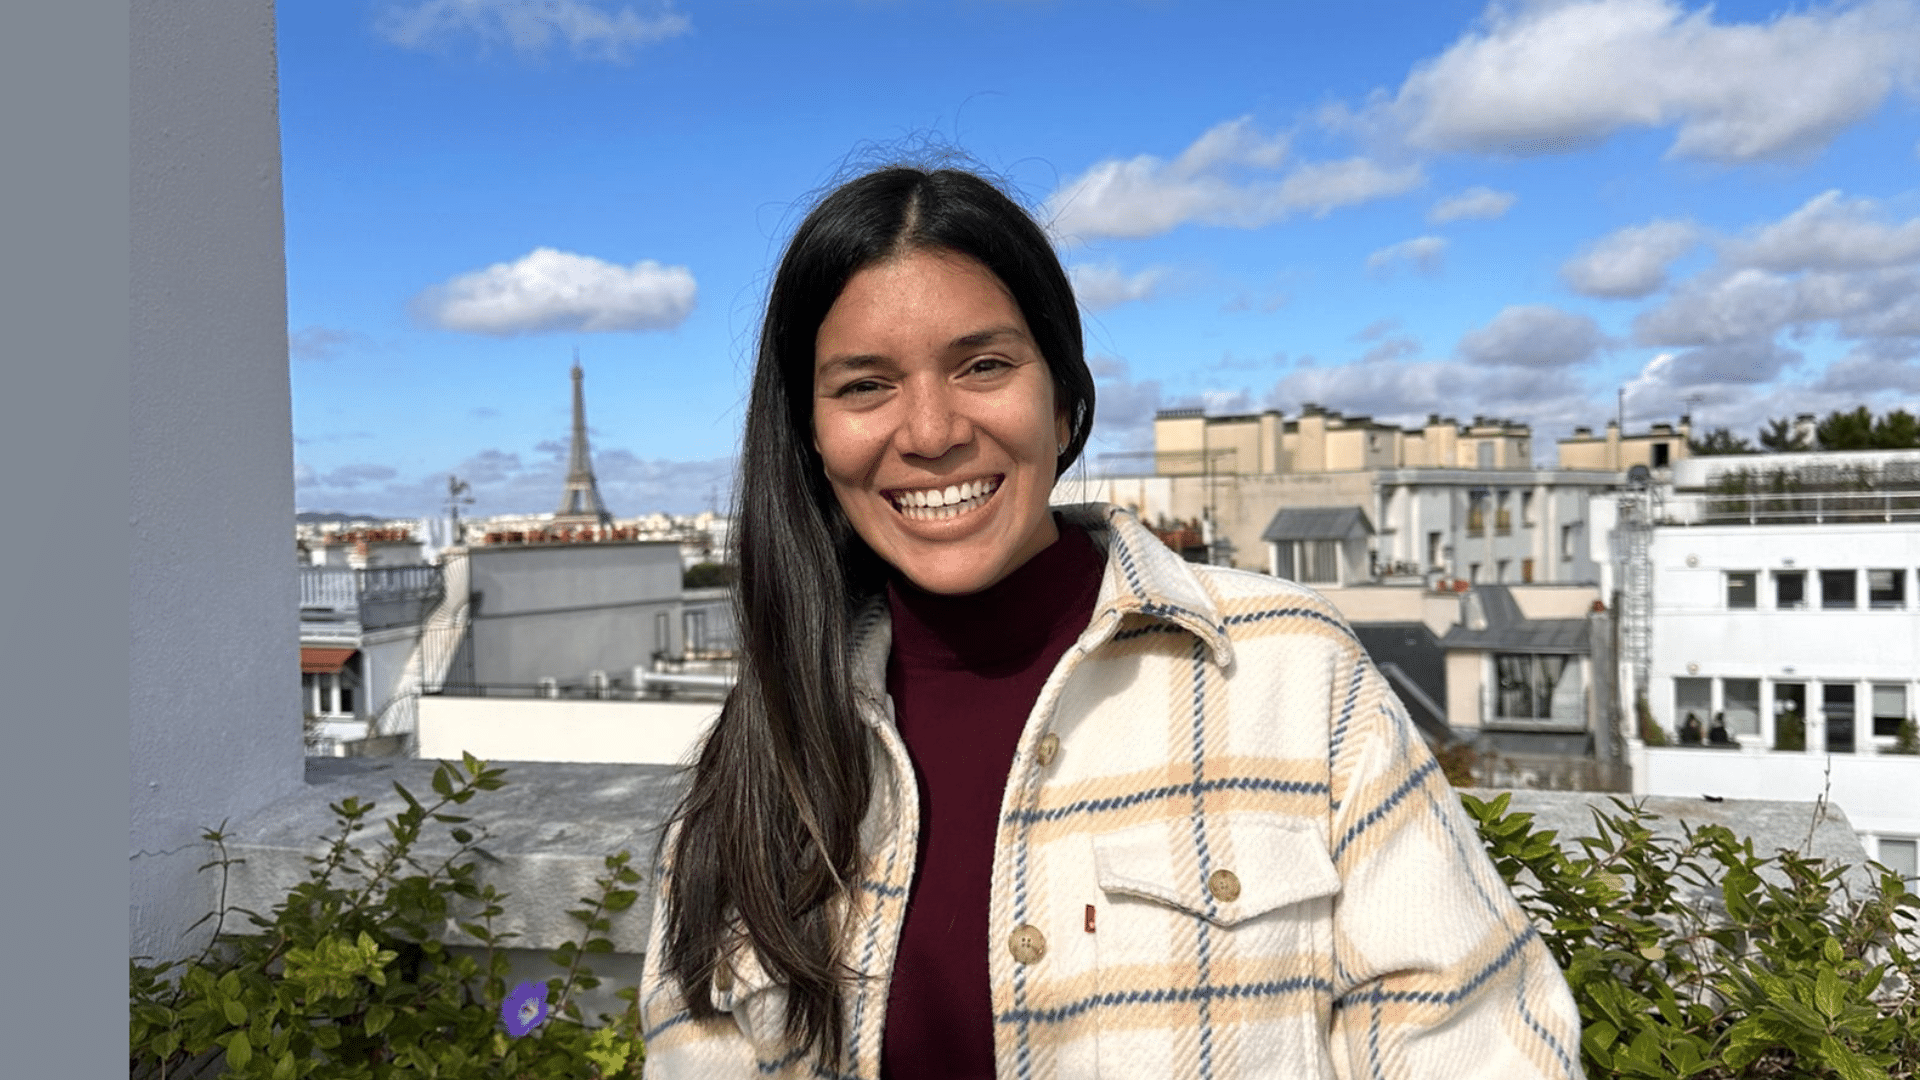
<point>933,425</point>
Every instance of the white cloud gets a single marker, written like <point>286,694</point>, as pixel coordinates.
<point>1631,262</point>
<point>1552,76</point>
<point>591,30</point>
<point>1215,181</point>
<point>1533,336</point>
<point>549,290</point>
<point>1875,368</point>
<point>1831,232</point>
<point>1424,252</point>
<point>1404,393</point>
<point>317,342</point>
<point>1105,285</point>
<point>1123,409</point>
<point>1481,203</point>
<point>1724,306</point>
<point>1388,349</point>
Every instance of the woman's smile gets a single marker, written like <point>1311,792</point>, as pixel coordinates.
<point>944,503</point>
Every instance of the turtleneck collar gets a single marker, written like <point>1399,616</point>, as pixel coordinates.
<point>1008,622</point>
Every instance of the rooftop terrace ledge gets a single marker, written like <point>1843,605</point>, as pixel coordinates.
<point>1804,827</point>
<point>553,824</point>
<point>549,831</point>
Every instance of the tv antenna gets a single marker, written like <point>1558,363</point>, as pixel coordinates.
<point>459,494</point>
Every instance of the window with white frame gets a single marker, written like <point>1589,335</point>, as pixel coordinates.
<point>327,693</point>
<point>1539,686</point>
<point>1900,854</point>
<point>1889,708</point>
<point>1743,590</point>
<point>1839,589</point>
<point>1309,562</point>
<point>1789,589</point>
<point>1692,699</point>
<point>1887,589</point>
<point>1740,706</point>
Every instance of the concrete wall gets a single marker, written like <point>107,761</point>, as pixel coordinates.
<point>214,652</point>
<point>497,729</point>
<point>563,610</point>
<point>1875,792</point>
<point>1396,603</point>
<point>1554,601</point>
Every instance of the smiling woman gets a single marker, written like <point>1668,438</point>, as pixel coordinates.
<point>1012,790</point>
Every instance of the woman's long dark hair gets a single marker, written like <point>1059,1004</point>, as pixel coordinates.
<point>770,829</point>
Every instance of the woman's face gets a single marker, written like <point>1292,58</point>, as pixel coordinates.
<point>934,416</point>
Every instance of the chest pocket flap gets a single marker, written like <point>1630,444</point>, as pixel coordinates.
<point>1252,864</point>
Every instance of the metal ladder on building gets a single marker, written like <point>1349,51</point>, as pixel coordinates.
<point>1636,596</point>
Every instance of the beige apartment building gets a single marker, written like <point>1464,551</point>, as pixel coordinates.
<point>1659,447</point>
<point>1188,442</point>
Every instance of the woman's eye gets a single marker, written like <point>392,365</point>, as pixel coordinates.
<point>864,386</point>
<point>987,365</point>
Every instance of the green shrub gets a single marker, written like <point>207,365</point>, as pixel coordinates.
<point>344,979</point>
<point>1651,732</point>
<point>707,575</point>
<point>1789,731</point>
<point>1695,957</point>
<point>1906,739</point>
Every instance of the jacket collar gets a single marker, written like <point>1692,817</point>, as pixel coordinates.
<point>1143,578</point>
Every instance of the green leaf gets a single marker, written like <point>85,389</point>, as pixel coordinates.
<point>283,1067</point>
<point>239,1050</point>
<point>1828,994</point>
<point>378,1017</point>
<point>442,782</point>
<point>236,1011</point>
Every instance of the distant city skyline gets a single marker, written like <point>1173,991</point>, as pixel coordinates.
<point>1389,209</point>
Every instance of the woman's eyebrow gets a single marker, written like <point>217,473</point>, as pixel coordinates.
<point>848,364</point>
<point>988,337</point>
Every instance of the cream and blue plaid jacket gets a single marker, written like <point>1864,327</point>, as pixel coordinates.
<point>1224,853</point>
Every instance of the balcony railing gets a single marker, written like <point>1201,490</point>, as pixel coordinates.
<point>342,588</point>
<point>1793,508</point>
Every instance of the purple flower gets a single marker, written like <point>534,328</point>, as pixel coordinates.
<point>524,1008</point>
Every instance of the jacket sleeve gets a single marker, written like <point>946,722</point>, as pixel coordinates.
<point>677,1045</point>
<point>1438,974</point>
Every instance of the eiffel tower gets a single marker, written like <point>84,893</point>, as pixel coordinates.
<point>580,502</point>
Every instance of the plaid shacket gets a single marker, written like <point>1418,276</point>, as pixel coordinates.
<point>1224,852</point>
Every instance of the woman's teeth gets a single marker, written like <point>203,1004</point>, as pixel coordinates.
<point>936,504</point>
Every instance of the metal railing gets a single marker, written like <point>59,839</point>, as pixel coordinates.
<point>1793,508</point>
<point>344,588</point>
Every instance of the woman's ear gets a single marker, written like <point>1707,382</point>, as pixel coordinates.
<point>1063,431</point>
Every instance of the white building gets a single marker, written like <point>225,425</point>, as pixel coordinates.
<point>1488,527</point>
<point>1783,603</point>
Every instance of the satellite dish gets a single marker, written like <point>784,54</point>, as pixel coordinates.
<point>1638,476</point>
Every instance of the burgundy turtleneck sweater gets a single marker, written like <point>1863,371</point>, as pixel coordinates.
<point>964,674</point>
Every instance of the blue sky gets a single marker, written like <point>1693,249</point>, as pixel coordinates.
<point>1388,209</point>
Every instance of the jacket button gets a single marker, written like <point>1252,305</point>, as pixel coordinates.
<point>1027,944</point>
<point>1224,886</point>
<point>1049,746</point>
